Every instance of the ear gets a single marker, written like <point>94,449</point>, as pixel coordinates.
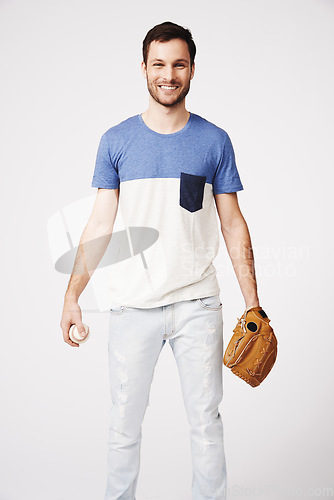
<point>143,69</point>
<point>192,71</point>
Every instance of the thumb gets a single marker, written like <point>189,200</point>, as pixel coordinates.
<point>81,329</point>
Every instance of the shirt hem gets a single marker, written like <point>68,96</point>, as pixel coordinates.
<point>229,190</point>
<point>162,303</point>
<point>98,185</point>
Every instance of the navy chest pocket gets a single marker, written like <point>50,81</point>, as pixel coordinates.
<point>191,191</point>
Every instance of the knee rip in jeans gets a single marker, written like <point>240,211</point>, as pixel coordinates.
<point>123,378</point>
<point>207,357</point>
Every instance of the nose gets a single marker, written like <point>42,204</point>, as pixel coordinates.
<point>169,73</point>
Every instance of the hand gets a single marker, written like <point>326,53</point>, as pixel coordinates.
<point>71,316</point>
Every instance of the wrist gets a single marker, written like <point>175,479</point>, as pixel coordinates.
<point>71,297</point>
<point>251,304</point>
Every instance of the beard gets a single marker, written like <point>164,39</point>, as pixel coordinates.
<point>167,101</point>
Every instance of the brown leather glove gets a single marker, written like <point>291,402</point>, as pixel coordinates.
<point>252,350</point>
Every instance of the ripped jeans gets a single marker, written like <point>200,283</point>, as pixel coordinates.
<point>194,329</point>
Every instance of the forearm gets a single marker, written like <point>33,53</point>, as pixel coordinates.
<point>92,246</point>
<point>239,247</point>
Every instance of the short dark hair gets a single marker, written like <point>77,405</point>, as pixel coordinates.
<point>168,31</point>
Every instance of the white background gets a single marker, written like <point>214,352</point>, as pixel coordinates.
<point>264,72</point>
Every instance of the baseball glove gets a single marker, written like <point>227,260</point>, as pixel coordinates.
<point>252,350</point>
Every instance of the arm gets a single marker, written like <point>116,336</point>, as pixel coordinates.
<point>92,246</point>
<point>238,243</point>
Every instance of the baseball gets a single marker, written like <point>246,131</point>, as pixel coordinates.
<point>74,334</point>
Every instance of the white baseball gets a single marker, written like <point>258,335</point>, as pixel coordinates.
<point>74,334</point>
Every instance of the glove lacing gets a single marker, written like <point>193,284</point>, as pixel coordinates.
<point>242,323</point>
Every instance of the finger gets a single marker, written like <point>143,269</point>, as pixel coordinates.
<point>73,344</point>
<point>70,342</point>
<point>67,337</point>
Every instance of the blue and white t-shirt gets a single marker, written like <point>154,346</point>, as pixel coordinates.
<point>166,185</point>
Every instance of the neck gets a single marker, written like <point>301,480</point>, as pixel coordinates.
<point>166,120</point>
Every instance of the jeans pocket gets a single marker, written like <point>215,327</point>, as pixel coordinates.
<point>212,303</point>
<point>117,309</point>
<point>191,191</point>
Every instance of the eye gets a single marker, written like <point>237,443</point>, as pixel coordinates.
<point>180,64</point>
<point>157,64</point>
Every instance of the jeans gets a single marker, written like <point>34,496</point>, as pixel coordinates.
<point>194,329</point>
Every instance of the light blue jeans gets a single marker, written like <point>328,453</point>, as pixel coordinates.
<point>194,329</point>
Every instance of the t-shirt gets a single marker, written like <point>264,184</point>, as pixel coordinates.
<point>166,185</point>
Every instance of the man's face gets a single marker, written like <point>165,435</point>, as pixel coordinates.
<point>168,64</point>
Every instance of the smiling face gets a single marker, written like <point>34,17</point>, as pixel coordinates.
<point>168,72</point>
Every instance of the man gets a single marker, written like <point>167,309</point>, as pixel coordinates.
<point>167,171</point>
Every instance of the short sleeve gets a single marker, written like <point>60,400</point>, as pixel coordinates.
<point>226,178</point>
<point>105,174</point>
